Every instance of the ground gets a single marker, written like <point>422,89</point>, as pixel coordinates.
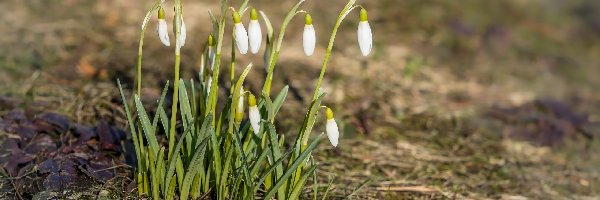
<point>459,99</point>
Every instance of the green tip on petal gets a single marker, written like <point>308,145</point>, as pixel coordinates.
<point>211,40</point>
<point>251,100</point>
<point>236,18</point>
<point>329,113</point>
<point>363,15</point>
<point>161,13</point>
<point>307,19</point>
<point>253,14</point>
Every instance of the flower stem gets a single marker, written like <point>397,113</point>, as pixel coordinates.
<point>349,7</point>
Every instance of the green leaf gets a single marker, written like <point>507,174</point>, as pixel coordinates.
<point>269,170</point>
<point>131,124</point>
<point>269,107</point>
<point>170,193</point>
<point>193,168</point>
<point>279,100</point>
<point>148,130</point>
<point>267,24</point>
<point>243,159</point>
<point>275,149</point>
<point>298,187</point>
<point>293,167</point>
<point>186,115</point>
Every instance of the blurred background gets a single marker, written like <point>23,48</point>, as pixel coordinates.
<point>458,99</point>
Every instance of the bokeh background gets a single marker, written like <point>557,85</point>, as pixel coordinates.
<point>459,99</point>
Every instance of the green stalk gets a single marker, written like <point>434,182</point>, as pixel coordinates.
<point>176,81</point>
<point>275,54</point>
<point>349,7</point>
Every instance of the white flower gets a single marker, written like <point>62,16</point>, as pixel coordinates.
<point>309,37</point>
<point>365,38</point>
<point>331,128</point>
<point>241,36</point>
<point>253,114</point>
<point>211,53</point>
<point>332,132</point>
<point>309,40</point>
<point>163,33</point>
<point>254,32</point>
<point>183,35</point>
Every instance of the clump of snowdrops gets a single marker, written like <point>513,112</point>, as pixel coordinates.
<point>216,153</point>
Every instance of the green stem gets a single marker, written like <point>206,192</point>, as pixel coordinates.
<point>176,81</point>
<point>275,54</point>
<point>349,7</point>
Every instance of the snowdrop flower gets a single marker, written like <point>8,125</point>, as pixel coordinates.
<point>365,39</point>
<point>239,112</point>
<point>211,51</point>
<point>254,32</point>
<point>183,35</point>
<point>241,36</point>
<point>163,34</point>
<point>331,128</point>
<point>308,37</point>
<point>253,113</point>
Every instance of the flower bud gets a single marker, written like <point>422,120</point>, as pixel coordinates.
<point>163,34</point>
<point>241,36</point>
<point>253,113</point>
<point>365,38</point>
<point>254,32</point>
<point>211,52</point>
<point>308,37</point>
<point>331,128</point>
<point>182,35</point>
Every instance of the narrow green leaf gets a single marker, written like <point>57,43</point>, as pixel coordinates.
<point>193,168</point>
<point>131,125</point>
<point>170,193</point>
<point>293,167</point>
<point>298,187</point>
<point>279,100</point>
<point>269,107</point>
<point>271,168</point>
<point>149,132</point>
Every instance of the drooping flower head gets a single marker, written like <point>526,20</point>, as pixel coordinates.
<point>309,37</point>
<point>365,38</point>
<point>183,35</point>
<point>211,52</point>
<point>254,32</point>
<point>253,113</point>
<point>331,128</point>
<point>241,36</point>
<point>163,34</point>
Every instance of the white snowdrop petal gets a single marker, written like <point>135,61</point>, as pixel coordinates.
<point>254,116</point>
<point>211,57</point>
<point>332,132</point>
<point>183,34</point>
<point>365,38</point>
<point>163,33</point>
<point>309,40</point>
<point>255,36</point>
<point>241,38</point>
